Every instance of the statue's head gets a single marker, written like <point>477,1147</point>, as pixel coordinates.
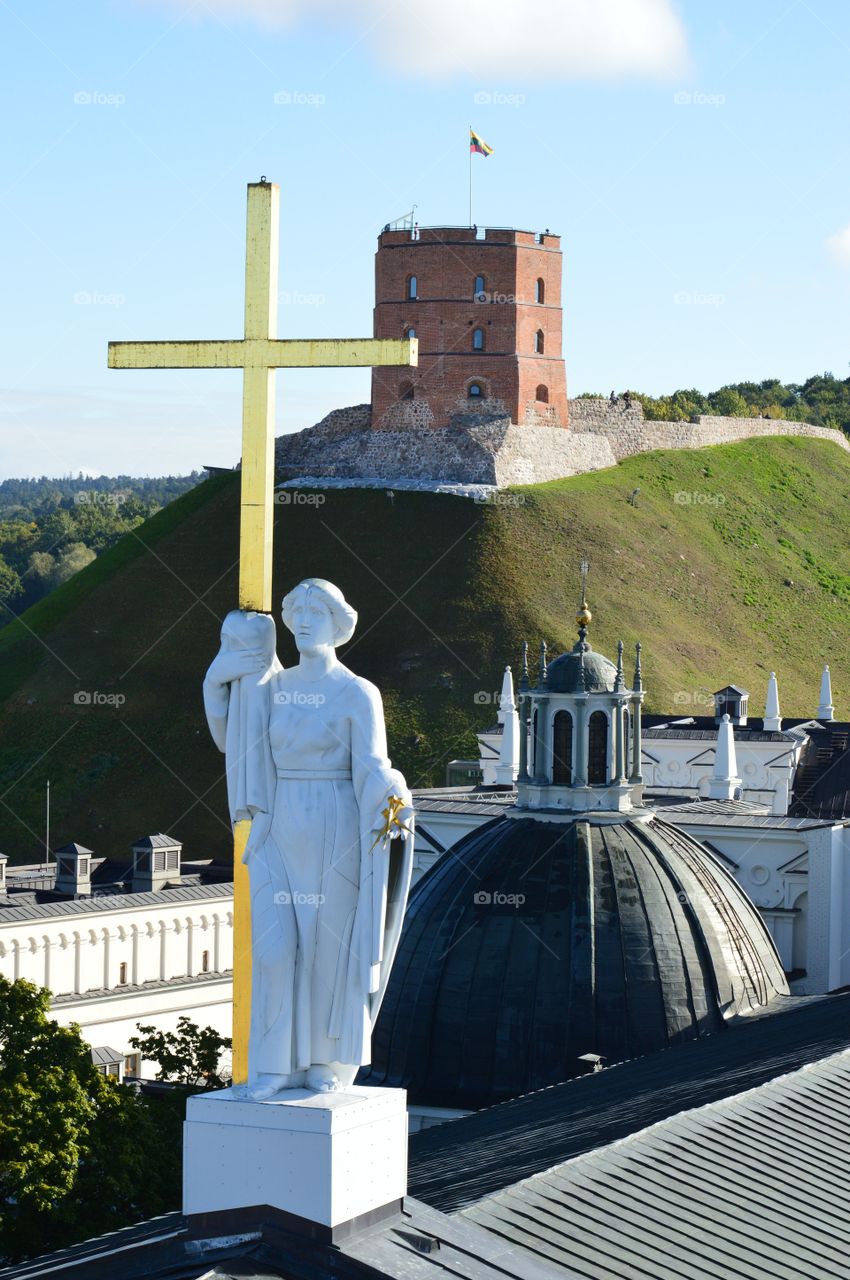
<point>242,629</point>
<point>318,615</point>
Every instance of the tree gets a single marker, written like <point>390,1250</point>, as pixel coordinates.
<point>71,560</point>
<point>189,1055</point>
<point>79,1153</point>
<point>10,583</point>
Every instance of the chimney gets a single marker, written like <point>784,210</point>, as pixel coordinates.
<point>156,863</point>
<point>73,871</point>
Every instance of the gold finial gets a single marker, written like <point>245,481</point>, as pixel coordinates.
<point>584,617</point>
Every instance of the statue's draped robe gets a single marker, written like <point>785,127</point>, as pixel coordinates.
<point>326,906</point>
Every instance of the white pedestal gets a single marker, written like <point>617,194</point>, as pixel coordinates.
<point>323,1157</point>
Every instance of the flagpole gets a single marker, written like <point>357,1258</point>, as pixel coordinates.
<point>470,174</point>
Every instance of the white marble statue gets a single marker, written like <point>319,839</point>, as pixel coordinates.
<point>306,760</point>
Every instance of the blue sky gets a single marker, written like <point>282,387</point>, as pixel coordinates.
<point>694,158</point>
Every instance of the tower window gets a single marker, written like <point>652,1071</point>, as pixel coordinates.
<point>538,342</point>
<point>205,962</point>
<point>542,394</point>
<point>405,391</point>
<point>475,391</point>
<point>479,291</point>
<point>597,749</point>
<point>562,749</point>
<point>411,287</point>
<point>477,339</point>
<point>122,974</point>
<point>410,333</point>
<point>540,292</point>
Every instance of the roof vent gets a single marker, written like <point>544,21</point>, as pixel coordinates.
<point>73,870</point>
<point>156,863</point>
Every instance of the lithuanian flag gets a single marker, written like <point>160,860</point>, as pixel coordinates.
<point>478,145</point>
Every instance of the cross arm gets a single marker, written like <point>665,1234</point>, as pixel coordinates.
<point>267,353</point>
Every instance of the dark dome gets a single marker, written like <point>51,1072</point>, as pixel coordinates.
<point>531,943</point>
<point>569,674</point>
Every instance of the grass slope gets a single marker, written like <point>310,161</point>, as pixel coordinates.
<point>446,590</point>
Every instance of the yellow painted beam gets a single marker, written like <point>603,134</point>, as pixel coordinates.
<point>259,353</point>
<point>241,953</point>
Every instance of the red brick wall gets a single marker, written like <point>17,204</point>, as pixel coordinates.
<point>445,261</point>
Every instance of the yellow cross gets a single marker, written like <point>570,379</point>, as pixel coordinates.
<point>259,353</point>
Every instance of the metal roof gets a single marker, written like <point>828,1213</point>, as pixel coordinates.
<point>454,1165</point>
<point>10,911</point>
<point>731,808</point>
<point>133,988</point>
<point>533,943</point>
<point>755,1186</point>
<point>159,841</point>
<point>106,1057</point>
<point>691,815</point>
<point>416,1244</point>
<point>698,734</point>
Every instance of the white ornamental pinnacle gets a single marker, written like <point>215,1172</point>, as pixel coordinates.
<point>331,847</point>
<point>772,714</point>
<point>826,711</point>
<point>507,770</point>
<point>725,783</point>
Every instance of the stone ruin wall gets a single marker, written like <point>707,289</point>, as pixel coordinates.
<point>628,432</point>
<point>488,449</point>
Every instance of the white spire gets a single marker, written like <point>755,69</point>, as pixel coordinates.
<point>508,767</point>
<point>826,711</point>
<point>725,783</point>
<point>772,714</point>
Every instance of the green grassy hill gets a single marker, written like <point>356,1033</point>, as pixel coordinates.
<point>750,573</point>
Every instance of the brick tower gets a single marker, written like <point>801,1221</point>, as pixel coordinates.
<point>486,308</point>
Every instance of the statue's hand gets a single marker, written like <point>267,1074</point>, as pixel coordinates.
<point>232,664</point>
<point>395,819</point>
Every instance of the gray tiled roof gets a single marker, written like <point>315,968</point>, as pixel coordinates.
<point>30,910</point>
<point>754,1186</point>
